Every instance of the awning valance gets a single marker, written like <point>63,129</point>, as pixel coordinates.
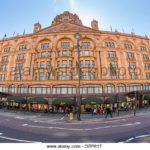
<point>37,100</point>
<point>16,99</point>
<point>147,97</point>
<point>92,100</point>
<point>115,99</point>
<point>61,101</point>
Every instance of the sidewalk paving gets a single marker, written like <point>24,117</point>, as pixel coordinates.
<point>64,118</point>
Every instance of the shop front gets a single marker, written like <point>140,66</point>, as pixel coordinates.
<point>15,102</point>
<point>64,105</point>
<point>146,101</point>
<point>37,104</point>
<point>92,105</point>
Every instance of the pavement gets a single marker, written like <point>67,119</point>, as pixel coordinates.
<point>64,118</point>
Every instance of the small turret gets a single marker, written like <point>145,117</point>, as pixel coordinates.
<point>37,27</point>
<point>94,24</point>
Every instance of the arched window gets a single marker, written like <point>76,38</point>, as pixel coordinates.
<point>91,89</point>
<point>121,88</point>
<point>3,88</point>
<point>109,88</point>
<point>134,87</point>
<point>146,87</point>
<point>22,89</point>
<point>64,89</point>
<point>39,89</point>
<point>12,89</point>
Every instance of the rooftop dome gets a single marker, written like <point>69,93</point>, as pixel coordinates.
<point>66,17</point>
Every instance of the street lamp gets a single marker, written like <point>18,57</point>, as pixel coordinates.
<point>78,37</point>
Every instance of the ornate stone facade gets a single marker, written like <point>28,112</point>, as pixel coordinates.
<point>45,62</point>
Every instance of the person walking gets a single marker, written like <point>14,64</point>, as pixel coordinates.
<point>108,111</point>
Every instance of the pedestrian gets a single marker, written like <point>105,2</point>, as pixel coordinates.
<point>108,111</point>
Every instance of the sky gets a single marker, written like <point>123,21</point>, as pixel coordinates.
<point>17,16</point>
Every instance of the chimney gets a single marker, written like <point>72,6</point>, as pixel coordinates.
<point>94,24</point>
<point>37,27</point>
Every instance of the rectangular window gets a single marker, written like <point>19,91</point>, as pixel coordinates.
<point>132,65</point>
<point>19,66</point>
<point>2,77</point>
<point>23,47</point>
<point>111,54</point>
<point>147,75</point>
<point>48,64</point>
<point>113,64</point>
<point>58,75</point>
<point>20,56</point>
<point>42,64</point>
<point>70,63</point>
<point>93,63</point>
<point>87,75</point>
<point>70,53</point>
<point>6,50</point>
<point>64,53</point>
<point>48,54</point>
<point>5,58</point>
<point>143,48</point>
<point>109,44</point>
<point>43,54</point>
<point>3,67</point>
<point>64,63</point>
<point>41,75</point>
<point>81,63</point>
<point>133,75</point>
<point>18,76</point>
<point>65,44</point>
<point>86,53</point>
<point>45,45</point>
<point>87,63</point>
<point>70,75</point>
<point>85,44</point>
<point>147,66</point>
<point>58,64</point>
<point>145,57</point>
<point>130,55</point>
<point>47,75</point>
<point>127,46</point>
<point>64,75</point>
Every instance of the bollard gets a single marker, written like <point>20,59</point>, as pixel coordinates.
<point>71,116</point>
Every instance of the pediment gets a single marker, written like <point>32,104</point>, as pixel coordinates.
<point>66,27</point>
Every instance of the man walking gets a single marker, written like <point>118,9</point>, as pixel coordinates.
<point>108,111</point>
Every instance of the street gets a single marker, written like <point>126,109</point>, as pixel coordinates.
<point>24,128</point>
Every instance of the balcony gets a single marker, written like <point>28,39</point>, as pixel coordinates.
<point>4,62</point>
<point>43,58</point>
<point>110,58</point>
<point>131,59</point>
<point>20,60</point>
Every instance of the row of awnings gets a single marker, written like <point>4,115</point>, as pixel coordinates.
<point>70,101</point>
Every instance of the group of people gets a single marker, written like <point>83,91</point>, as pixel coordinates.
<point>105,110</point>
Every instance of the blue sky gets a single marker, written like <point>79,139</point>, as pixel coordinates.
<point>19,15</point>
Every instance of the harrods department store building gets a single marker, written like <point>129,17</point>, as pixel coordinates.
<point>44,63</point>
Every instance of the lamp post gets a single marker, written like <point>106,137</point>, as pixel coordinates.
<point>77,37</point>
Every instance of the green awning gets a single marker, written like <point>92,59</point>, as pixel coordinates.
<point>112,100</point>
<point>16,99</point>
<point>92,100</point>
<point>147,97</point>
<point>37,100</point>
<point>61,101</point>
<point>122,99</point>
